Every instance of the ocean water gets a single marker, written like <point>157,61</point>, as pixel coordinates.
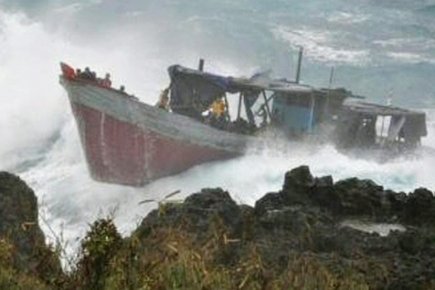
<point>380,49</point>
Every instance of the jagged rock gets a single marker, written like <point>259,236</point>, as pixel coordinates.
<point>297,184</point>
<point>359,197</point>
<point>211,203</point>
<point>270,201</point>
<point>292,219</point>
<point>306,216</point>
<point>299,230</point>
<point>198,212</point>
<point>397,200</point>
<point>19,225</point>
<point>19,216</point>
<point>299,176</point>
<point>411,242</point>
<point>419,207</point>
<point>324,194</point>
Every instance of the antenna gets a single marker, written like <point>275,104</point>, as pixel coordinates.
<point>201,64</point>
<point>298,71</point>
<point>331,77</point>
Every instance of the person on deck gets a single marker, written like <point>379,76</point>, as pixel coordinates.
<point>218,111</point>
<point>106,82</point>
<point>163,102</point>
<point>218,108</point>
<point>87,74</point>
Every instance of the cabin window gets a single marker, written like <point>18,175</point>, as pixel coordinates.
<point>382,125</point>
<point>298,100</point>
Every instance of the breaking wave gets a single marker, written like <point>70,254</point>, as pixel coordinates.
<point>348,18</point>
<point>315,43</point>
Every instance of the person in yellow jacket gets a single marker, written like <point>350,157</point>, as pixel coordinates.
<point>163,102</point>
<point>218,114</point>
<point>218,108</point>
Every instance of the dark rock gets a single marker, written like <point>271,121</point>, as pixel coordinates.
<point>305,218</point>
<point>297,184</point>
<point>359,197</point>
<point>298,176</point>
<point>324,182</point>
<point>292,219</point>
<point>397,200</point>
<point>19,225</point>
<point>421,198</point>
<point>270,201</point>
<point>411,242</point>
<point>419,207</point>
<point>212,203</point>
<point>324,194</point>
<point>199,211</point>
<point>18,205</point>
<point>249,222</point>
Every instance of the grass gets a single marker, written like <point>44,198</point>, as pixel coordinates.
<point>15,279</point>
<point>172,258</point>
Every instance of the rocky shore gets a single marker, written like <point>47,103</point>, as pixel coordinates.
<point>26,262</point>
<point>313,234</point>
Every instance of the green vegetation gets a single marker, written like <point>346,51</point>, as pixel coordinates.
<point>170,258</point>
<point>13,278</point>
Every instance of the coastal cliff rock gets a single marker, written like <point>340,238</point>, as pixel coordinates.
<point>197,213</point>
<point>352,197</point>
<point>312,234</point>
<point>20,232</point>
<point>310,219</point>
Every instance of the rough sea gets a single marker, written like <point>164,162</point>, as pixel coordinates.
<point>380,49</point>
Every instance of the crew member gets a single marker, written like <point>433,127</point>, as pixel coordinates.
<point>87,74</point>
<point>163,102</point>
<point>218,111</point>
<point>218,108</point>
<point>106,82</point>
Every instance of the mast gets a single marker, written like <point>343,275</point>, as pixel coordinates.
<point>328,96</point>
<point>201,64</point>
<point>298,71</point>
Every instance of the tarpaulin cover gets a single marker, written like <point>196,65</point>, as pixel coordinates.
<point>192,92</point>
<point>249,100</point>
<point>415,126</point>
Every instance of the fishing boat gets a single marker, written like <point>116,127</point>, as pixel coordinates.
<point>129,142</point>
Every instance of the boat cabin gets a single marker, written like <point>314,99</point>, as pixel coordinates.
<point>301,111</point>
<point>295,109</point>
<point>364,124</point>
<point>291,106</point>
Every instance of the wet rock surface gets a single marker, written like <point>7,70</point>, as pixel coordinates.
<point>305,219</point>
<point>303,231</point>
<point>19,227</point>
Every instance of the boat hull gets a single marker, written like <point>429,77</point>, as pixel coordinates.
<point>128,142</point>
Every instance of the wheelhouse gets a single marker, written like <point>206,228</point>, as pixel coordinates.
<point>295,109</point>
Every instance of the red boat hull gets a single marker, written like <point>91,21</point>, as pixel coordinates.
<point>129,142</point>
<point>123,153</point>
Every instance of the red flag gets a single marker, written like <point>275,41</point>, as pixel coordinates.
<point>67,71</point>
